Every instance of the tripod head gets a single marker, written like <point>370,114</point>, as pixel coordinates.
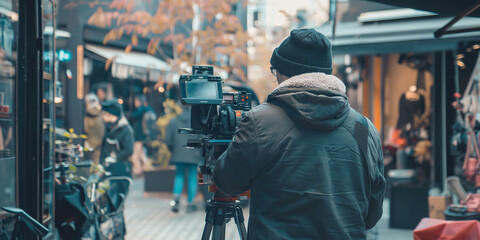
<point>219,196</point>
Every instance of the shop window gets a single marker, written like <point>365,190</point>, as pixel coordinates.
<point>49,77</point>
<point>8,63</point>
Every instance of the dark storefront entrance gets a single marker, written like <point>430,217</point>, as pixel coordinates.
<point>26,111</point>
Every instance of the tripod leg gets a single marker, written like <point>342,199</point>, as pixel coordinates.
<point>239,221</point>
<point>242,231</point>
<point>218,232</point>
<point>207,230</point>
<point>223,232</point>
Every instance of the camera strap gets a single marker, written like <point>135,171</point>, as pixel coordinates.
<point>360,133</point>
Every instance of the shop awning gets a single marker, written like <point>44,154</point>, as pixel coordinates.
<point>442,7</point>
<point>134,65</point>
<point>459,9</point>
<point>415,35</point>
<point>58,33</point>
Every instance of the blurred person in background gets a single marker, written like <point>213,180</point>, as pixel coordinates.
<point>100,90</point>
<point>93,126</point>
<point>185,159</point>
<point>141,129</point>
<point>117,144</point>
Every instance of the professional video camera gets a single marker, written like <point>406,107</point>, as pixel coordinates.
<point>213,112</point>
<point>214,115</point>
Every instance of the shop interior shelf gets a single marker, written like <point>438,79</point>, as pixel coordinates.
<point>9,158</point>
<point>6,115</point>
<point>47,76</point>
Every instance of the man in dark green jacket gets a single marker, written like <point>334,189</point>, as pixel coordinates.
<point>299,156</point>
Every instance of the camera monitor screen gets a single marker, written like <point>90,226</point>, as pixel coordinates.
<point>202,92</point>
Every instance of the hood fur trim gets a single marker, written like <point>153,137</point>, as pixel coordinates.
<point>315,80</point>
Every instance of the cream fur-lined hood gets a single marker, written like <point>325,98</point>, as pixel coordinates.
<point>314,100</point>
<point>315,80</point>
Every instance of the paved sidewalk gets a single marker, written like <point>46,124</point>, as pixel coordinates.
<point>386,233</point>
<point>150,218</point>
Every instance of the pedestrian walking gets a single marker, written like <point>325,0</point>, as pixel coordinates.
<point>100,89</point>
<point>186,160</point>
<point>117,144</point>
<point>93,126</point>
<point>140,129</point>
<point>313,164</point>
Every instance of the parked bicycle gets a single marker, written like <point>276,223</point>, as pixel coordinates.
<point>89,204</point>
<point>11,217</point>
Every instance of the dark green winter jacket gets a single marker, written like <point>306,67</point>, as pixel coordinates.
<point>298,156</point>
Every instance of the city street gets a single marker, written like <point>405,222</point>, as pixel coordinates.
<point>150,218</point>
<point>322,109</point>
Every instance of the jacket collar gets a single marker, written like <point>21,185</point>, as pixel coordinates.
<point>320,81</point>
<point>313,100</point>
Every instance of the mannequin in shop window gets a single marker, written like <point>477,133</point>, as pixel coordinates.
<point>411,104</point>
<point>411,107</point>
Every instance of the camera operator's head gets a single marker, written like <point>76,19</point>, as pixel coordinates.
<point>111,111</point>
<point>304,51</point>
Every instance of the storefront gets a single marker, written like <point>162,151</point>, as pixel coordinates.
<point>387,59</point>
<point>125,75</point>
<point>26,110</point>
<point>395,91</point>
<point>405,81</point>
<point>94,64</point>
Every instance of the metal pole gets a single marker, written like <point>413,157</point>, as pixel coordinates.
<point>440,32</point>
<point>444,120</point>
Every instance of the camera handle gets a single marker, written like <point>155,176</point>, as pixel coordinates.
<point>188,131</point>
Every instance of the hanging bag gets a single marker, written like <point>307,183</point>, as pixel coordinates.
<point>471,162</point>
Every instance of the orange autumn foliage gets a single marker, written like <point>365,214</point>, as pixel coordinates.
<point>222,38</point>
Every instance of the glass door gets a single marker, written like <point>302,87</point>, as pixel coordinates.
<point>48,26</point>
<point>8,63</point>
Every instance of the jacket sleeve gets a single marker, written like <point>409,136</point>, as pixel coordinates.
<point>126,144</point>
<point>378,184</point>
<point>239,164</point>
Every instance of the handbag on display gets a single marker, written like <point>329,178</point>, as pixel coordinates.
<point>397,139</point>
<point>472,202</point>
<point>459,139</point>
<point>471,162</point>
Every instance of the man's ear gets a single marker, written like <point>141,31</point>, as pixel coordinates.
<point>281,78</point>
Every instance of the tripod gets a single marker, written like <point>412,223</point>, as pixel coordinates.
<point>221,208</point>
<point>218,213</point>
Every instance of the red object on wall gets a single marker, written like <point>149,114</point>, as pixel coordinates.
<point>431,228</point>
